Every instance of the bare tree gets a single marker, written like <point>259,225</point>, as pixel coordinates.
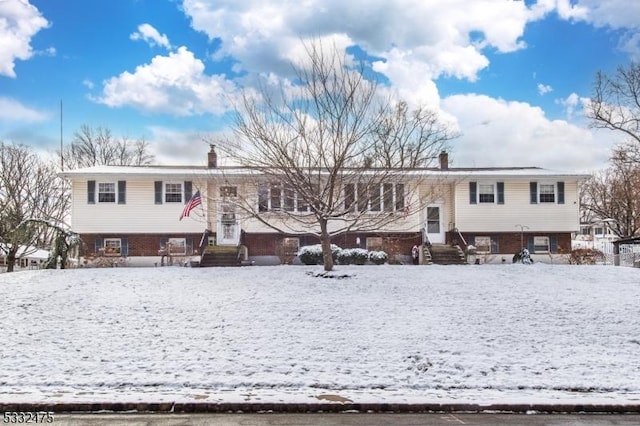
<point>29,189</point>
<point>92,147</point>
<point>615,102</point>
<point>331,142</point>
<point>613,194</point>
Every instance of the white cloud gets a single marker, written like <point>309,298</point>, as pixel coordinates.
<point>12,110</point>
<point>174,84</point>
<point>502,133</point>
<point>181,147</point>
<point>88,83</point>
<point>543,89</point>
<point>572,103</point>
<point>149,34</point>
<point>19,22</point>
<point>444,38</point>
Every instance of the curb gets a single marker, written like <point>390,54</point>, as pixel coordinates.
<point>204,407</point>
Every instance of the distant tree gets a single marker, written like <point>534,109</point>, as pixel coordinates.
<point>29,189</point>
<point>93,147</point>
<point>331,142</point>
<point>613,195</point>
<point>615,101</point>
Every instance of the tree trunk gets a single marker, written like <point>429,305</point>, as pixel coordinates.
<point>11,260</point>
<point>325,240</point>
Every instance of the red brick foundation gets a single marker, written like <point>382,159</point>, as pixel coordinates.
<point>139,244</point>
<point>512,242</point>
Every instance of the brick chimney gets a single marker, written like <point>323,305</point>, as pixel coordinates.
<point>444,160</point>
<point>212,157</point>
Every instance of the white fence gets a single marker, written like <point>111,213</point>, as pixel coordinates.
<point>629,253</point>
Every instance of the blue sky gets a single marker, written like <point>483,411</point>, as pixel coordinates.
<point>513,76</point>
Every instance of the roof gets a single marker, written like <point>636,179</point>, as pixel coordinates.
<point>627,240</point>
<point>26,252</point>
<point>205,172</point>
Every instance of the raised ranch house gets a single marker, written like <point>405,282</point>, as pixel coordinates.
<point>133,212</point>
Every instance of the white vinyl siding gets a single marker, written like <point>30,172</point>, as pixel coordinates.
<point>517,210</point>
<point>139,215</point>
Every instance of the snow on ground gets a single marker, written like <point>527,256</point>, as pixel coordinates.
<point>488,333</point>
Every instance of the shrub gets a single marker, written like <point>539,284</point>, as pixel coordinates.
<point>345,257</point>
<point>359,256</point>
<point>312,255</point>
<point>585,256</point>
<point>378,257</point>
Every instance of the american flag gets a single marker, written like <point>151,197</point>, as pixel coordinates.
<point>195,201</point>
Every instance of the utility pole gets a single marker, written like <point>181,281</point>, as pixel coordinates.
<point>61,142</point>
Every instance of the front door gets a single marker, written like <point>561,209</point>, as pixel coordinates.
<point>435,230</point>
<point>228,232</point>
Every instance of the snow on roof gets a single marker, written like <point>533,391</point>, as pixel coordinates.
<point>26,252</point>
<point>204,172</point>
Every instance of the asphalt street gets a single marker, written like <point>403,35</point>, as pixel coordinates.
<point>346,419</point>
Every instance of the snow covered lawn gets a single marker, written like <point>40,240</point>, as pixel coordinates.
<point>489,333</point>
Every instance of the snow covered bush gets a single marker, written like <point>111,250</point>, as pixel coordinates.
<point>359,256</point>
<point>353,256</point>
<point>378,257</point>
<point>312,255</point>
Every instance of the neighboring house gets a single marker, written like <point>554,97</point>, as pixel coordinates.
<point>133,211</point>
<point>26,257</point>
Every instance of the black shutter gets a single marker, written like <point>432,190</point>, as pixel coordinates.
<point>533,192</point>
<point>473,191</point>
<point>91,192</point>
<point>495,245</point>
<point>500,186</point>
<point>531,246</point>
<point>560,192</point>
<point>188,191</point>
<point>99,243</point>
<point>122,192</point>
<point>189,246</point>
<point>158,191</point>
<point>553,243</point>
<point>124,247</point>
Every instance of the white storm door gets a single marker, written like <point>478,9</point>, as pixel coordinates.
<point>228,232</point>
<point>434,225</point>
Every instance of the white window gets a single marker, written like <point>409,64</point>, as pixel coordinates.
<point>278,196</point>
<point>387,197</point>
<point>106,192</point>
<point>112,246</point>
<point>541,244</point>
<point>228,191</point>
<point>178,246</point>
<point>172,192</point>
<point>374,243</point>
<point>547,193</point>
<point>290,246</point>
<point>482,244</point>
<point>486,193</point>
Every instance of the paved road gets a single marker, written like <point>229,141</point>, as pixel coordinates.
<point>343,419</point>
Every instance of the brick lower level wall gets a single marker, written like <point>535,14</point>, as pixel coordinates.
<point>139,244</point>
<point>271,244</point>
<point>512,242</point>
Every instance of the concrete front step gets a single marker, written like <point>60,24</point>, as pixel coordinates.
<point>220,256</point>
<point>446,255</point>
